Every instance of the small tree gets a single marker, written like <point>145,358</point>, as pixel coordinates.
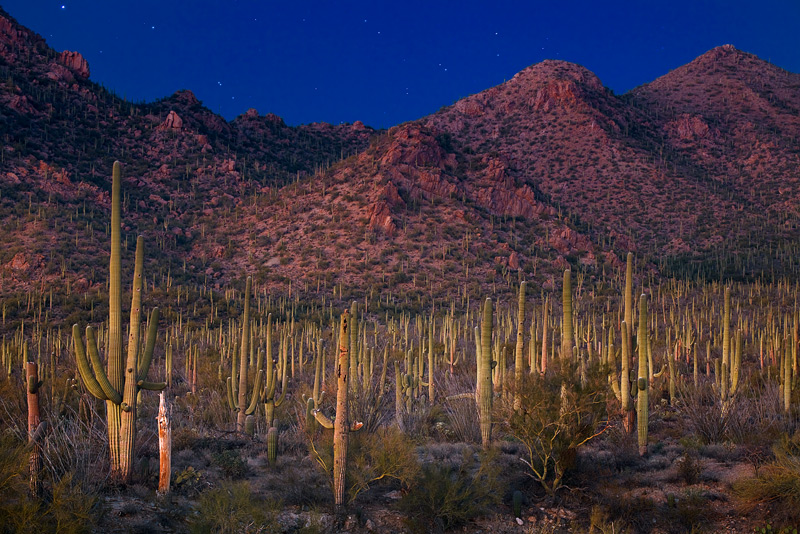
<point>557,415</point>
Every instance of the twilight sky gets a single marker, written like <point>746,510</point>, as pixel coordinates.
<point>388,62</point>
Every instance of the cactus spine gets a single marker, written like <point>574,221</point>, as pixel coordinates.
<point>123,380</point>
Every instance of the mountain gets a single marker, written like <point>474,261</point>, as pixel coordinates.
<point>698,163</point>
<point>696,172</point>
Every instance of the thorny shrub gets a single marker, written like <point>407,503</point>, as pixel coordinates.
<point>446,495</point>
<point>559,414</point>
<point>386,454</point>
<point>778,482</point>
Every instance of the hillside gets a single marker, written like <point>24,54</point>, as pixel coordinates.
<point>695,172</point>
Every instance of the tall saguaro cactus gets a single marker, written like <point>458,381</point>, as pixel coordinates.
<point>566,325</point>
<point>120,384</point>
<point>485,376</point>
<point>726,344</point>
<point>34,420</point>
<point>244,354</point>
<point>518,361</point>
<point>642,381</point>
<point>341,424</point>
<point>629,299</point>
<point>237,395</point>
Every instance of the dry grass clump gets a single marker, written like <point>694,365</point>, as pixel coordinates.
<point>778,482</point>
<point>447,495</point>
<point>232,508</point>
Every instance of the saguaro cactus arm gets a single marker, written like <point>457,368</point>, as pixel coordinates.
<point>147,356</point>
<point>84,369</point>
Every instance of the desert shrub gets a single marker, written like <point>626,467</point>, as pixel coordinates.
<point>687,511</point>
<point>708,417</point>
<point>622,448</point>
<point>558,415</point>
<point>758,419</point>
<point>233,509</point>
<point>386,454</point>
<point>447,495</point>
<point>66,507</point>
<point>462,413</point>
<point>778,482</point>
<point>418,422</point>
<point>230,463</point>
<point>370,405</point>
<point>599,522</point>
<point>688,468</point>
<point>78,449</point>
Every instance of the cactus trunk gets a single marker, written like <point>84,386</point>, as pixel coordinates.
<point>518,361</point>
<point>642,382</point>
<point>566,323</point>
<point>485,376</point>
<point>340,428</point>
<point>120,385</point>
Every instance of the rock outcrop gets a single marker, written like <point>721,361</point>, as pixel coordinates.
<point>76,62</point>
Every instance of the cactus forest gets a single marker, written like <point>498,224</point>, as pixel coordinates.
<point>546,308</point>
<point>279,413</point>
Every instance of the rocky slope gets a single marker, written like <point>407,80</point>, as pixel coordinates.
<point>693,163</point>
<point>545,171</point>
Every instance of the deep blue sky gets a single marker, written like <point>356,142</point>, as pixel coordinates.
<point>387,62</point>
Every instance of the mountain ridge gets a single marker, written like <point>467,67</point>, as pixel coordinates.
<point>546,171</point>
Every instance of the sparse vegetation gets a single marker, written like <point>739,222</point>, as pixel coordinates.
<point>453,410</point>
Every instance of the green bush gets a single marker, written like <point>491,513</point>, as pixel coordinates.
<point>384,455</point>
<point>233,509</point>
<point>778,482</point>
<point>448,495</point>
<point>64,508</point>
<point>559,414</point>
<point>230,462</point>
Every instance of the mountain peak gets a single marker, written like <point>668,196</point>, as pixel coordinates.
<point>556,69</point>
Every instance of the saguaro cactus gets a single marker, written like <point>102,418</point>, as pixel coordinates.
<point>270,402</point>
<point>340,424</point>
<point>726,344</point>
<point>237,396</point>
<point>244,354</point>
<point>34,422</point>
<point>518,361</point>
<point>629,299</point>
<point>124,378</point>
<point>164,420</point>
<point>485,376</point>
<point>272,445</point>
<point>642,381</point>
<point>566,324</point>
